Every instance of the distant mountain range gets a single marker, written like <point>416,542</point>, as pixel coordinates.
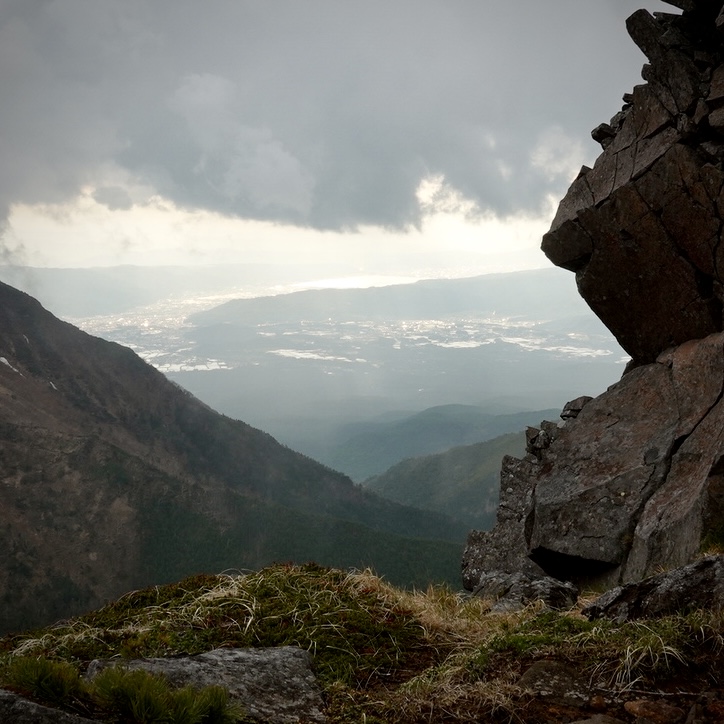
<point>94,291</point>
<point>320,369</point>
<point>114,478</point>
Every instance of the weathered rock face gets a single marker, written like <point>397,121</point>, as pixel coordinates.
<point>700,585</point>
<point>642,229</point>
<point>633,481</point>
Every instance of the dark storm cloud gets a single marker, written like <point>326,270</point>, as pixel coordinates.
<point>322,113</point>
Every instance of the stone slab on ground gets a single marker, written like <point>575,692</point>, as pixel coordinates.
<point>272,684</point>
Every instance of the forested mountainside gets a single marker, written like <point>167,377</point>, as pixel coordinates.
<point>370,448</point>
<point>114,477</point>
<point>464,479</point>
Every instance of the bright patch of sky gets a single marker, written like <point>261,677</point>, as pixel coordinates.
<point>450,240</point>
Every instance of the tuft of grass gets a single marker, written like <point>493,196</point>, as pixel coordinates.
<point>349,622</point>
<point>146,698</point>
<point>54,682</point>
<point>137,697</point>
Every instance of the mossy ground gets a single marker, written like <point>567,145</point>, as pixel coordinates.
<point>383,654</point>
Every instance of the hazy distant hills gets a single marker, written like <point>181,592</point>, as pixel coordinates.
<point>463,479</point>
<point>527,294</point>
<point>114,478</point>
<point>368,448</point>
<point>304,366</point>
<point>118,289</point>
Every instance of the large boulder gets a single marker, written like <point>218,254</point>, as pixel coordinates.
<point>633,483</point>
<point>514,591</point>
<point>700,585</point>
<point>642,228</point>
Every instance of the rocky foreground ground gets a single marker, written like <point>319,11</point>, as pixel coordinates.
<point>308,644</point>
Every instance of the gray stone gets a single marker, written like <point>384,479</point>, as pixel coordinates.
<point>271,684</point>
<point>572,408</point>
<point>603,134</point>
<point>697,585</point>
<point>504,548</point>
<point>514,591</point>
<point>556,682</point>
<point>599,719</point>
<point>634,482</point>
<point>537,440</point>
<point>598,475</point>
<point>570,247</point>
<point>17,710</point>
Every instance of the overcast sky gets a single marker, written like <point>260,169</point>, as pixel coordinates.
<point>387,135</point>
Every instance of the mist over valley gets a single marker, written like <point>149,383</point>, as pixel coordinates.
<point>343,375</point>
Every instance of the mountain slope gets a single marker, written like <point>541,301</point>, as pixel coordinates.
<point>371,448</point>
<point>113,477</point>
<point>463,479</point>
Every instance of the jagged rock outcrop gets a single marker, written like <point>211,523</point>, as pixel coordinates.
<point>642,229</point>
<point>633,481</point>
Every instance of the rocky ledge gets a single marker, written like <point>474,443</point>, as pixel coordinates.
<point>642,228</point>
<point>632,482</point>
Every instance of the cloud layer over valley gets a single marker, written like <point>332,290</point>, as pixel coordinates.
<point>319,115</point>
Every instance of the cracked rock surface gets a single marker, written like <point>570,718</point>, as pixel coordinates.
<point>642,229</point>
<point>632,482</point>
<point>272,684</point>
